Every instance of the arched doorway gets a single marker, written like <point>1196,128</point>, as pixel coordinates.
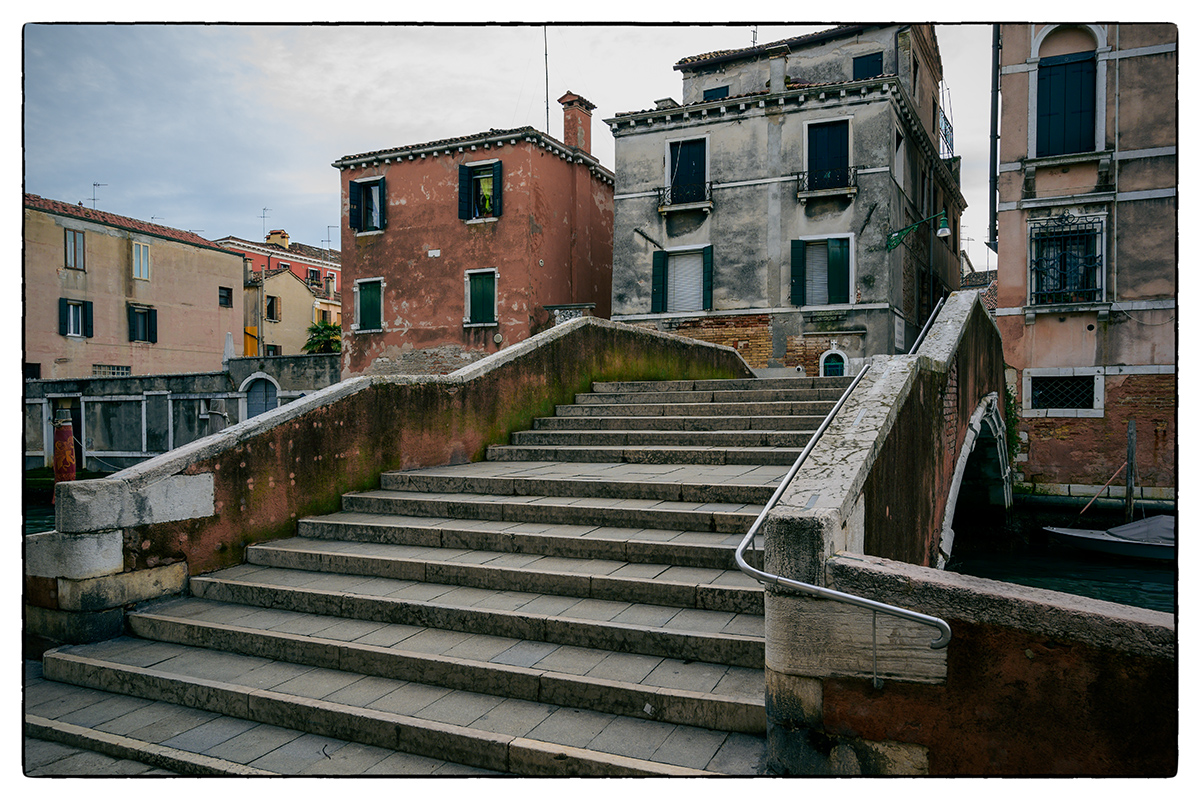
<point>261,396</point>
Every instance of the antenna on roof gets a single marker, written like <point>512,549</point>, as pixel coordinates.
<point>264,219</point>
<point>94,185</point>
<point>754,36</point>
<point>328,241</point>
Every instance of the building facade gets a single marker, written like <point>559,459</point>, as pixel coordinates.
<point>1086,226</point>
<point>279,308</point>
<point>320,267</point>
<point>456,248</point>
<point>110,296</point>
<point>757,212</point>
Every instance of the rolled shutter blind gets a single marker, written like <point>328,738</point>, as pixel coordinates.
<point>816,274</point>
<point>685,282</point>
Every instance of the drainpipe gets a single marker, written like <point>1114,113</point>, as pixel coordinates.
<point>993,155</point>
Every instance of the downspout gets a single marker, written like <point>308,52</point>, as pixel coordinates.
<point>993,155</point>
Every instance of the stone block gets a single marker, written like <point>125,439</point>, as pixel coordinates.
<point>114,591</point>
<point>106,504</point>
<point>74,627</point>
<point>72,555</point>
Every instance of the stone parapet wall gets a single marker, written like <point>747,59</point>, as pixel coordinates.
<point>202,504</point>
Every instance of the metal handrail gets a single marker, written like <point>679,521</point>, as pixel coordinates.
<point>928,325</point>
<point>819,591</point>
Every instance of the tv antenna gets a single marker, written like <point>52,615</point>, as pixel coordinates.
<point>94,185</point>
<point>264,219</point>
<point>754,36</point>
<point>329,241</point>
<point>546,66</point>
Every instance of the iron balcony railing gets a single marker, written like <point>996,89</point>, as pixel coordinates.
<point>1066,260</point>
<point>681,193</point>
<point>875,606</point>
<point>821,179</point>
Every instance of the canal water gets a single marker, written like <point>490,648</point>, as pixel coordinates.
<point>1013,549</point>
<point>1016,549</point>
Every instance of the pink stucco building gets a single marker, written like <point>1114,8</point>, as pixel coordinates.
<point>454,249</point>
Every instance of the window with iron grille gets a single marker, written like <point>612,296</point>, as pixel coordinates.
<point>1062,391</point>
<point>1065,261</point>
<point>111,371</point>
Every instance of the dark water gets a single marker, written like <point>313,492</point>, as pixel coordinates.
<point>38,517</point>
<point>1017,550</point>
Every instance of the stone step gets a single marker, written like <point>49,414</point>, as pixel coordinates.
<point>660,439</point>
<point>666,454</point>
<point>694,423</point>
<point>701,483</point>
<point>472,728</point>
<point>654,688</point>
<point>724,637</point>
<point>596,578</point>
<point>600,511</point>
<point>755,395</point>
<point>599,408</point>
<point>734,384</point>
<point>633,545</point>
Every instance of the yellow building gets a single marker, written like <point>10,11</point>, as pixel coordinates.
<point>280,307</point>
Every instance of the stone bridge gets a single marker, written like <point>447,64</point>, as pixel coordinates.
<point>1031,682</point>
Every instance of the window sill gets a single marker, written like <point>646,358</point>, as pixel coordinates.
<point>817,194</point>
<point>1099,309</point>
<point>369,233</point>
<point>480,324</point>
<point>366,330</point>
<point>1067,159</point>
<point>478,220</point>
<point>705,206</point>
<point>1065,413</point>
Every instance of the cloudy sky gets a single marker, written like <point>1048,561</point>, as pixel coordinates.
<point>202,127</point>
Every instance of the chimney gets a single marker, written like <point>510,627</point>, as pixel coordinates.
<point>577,122</point>
<point>329,286</point>
<point>278,237</point>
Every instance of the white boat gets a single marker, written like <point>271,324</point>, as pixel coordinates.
<point>1152,537</point>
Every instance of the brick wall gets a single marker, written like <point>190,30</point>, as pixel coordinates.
<point>749,335</point>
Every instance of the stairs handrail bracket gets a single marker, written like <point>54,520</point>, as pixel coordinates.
<point>770,579</point>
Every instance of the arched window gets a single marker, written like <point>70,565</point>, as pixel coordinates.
<point>833,365</point>
<point>1066,92</point>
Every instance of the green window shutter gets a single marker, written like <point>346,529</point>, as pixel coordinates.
<point>132,314</point>
<point>464,192</point>
<point>355,192</point>
<point>382,210</point>
<point>497,185</point>
<point>483,298</point>
<point>87,319</point>
<point>708,278</point>
<point>658,283</point>
<point>797,272</point>
<point>152,326</point>
<point>370,310</point>
<point>63,313</point>
<point>839,271</point>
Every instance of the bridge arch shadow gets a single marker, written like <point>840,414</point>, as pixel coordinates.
<point>982,479</point>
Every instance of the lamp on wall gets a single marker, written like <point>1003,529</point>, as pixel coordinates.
<point>943,230</point>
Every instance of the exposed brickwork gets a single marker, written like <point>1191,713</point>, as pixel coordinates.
<point>1087,451</point>
<point>750,335</point>
<point>806,352</point>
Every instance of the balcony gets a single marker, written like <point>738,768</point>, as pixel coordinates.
<point>685,197</point>
<point>841,181</point>
<point>1066,261</point>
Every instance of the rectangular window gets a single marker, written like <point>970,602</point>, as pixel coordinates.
<point>368,203</point>
<point>314,276</point>
<point>682,281</point>
<point>687,178</point>
<point>1062,391</point>
<point>110,371</point>
<point>479,190</point>
<point>716,93</point>
<point>141,261</point>
<point>1066,260</point>
<point>868,66</point>
<point>828,155</point>
<point>274,308</point>
<point>74,317</point>
<point>480,298</point>
<point>32,371</point>
<point>820,272</point>
<point>1066,104</point>
<point>274,350</point>
<point>74,249</point>
<point>225,296</point>
<point>368,305</point>
<point>143,324</point>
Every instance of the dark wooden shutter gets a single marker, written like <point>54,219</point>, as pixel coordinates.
<point>63,316</point>
<point>131,313</point>
<point>868,66</point>
<point>797,272</point>
<point>356,219</point>
<point>497,185</point>
<point>483,297</point>
<point>658,283</point>
<point>151,325</point>
<point>708,278</point>
<point>87,319</point>
<point>1066,104</point>
<point>382,210</point>
<point>464,192</point>
<point>688,171</point>
<point>839,271</point>
<point>828,155</point>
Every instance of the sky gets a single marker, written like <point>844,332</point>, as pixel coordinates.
<point>231,130</point>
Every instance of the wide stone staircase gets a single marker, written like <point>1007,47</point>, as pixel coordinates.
<point>570,606</point>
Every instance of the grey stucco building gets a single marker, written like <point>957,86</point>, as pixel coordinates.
<point>756,212</point>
